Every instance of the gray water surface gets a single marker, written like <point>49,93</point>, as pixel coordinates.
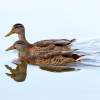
<point>45,19</point>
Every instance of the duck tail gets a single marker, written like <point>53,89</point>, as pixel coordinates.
<point>72,40</point>
<point>68,52</point>
<point>78,57</point>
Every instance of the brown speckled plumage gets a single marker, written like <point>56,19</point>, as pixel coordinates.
<point>49,57</point>
<point>51,44</point>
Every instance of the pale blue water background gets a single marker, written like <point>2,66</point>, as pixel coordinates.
<point>45,19</point>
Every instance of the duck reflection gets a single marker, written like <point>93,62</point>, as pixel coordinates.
<point>52,60</point>
<point>53,68</point>
<point>19,74</point>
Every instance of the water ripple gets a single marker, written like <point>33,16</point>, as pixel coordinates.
<point>91,49</point>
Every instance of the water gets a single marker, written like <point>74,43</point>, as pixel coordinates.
<point>53,19</point>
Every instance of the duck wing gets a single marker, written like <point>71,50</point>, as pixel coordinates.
<point>52,53</point>
<point>58,42</point>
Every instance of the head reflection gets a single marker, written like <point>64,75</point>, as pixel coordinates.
<point>20,72</point>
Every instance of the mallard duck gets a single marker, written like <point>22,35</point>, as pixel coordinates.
<point>51,44</point>
<point>50,57</point>
<point>51,61</point>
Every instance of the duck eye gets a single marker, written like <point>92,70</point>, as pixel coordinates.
<point>19,42</point>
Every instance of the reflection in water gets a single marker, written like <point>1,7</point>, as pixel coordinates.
<point>58,68</point>
<point>19,74</point>
<point>91,59</point>
<point>44,57</point>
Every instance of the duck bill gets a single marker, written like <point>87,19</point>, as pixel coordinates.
<point>8,34</point>
<point>10,48</point>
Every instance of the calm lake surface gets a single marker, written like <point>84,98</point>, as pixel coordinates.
<point>45,20</point>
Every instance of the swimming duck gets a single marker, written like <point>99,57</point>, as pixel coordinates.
<point>51,61</point>
<point>50,57</point>
<point>51,44</point>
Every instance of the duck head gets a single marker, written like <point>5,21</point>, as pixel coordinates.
<point>19,45</point>
<point>16,29</point>
<point>22,47</point>
<point>19,74</point>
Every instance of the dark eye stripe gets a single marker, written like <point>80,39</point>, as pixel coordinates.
<point>20,42</point>
<point>18,25</point>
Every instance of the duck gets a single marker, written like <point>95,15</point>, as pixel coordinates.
<point>54,61</point>
<point>43,45</point>
<point>50,57</point>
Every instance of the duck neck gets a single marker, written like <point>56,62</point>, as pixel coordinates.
<point>21,35</point>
